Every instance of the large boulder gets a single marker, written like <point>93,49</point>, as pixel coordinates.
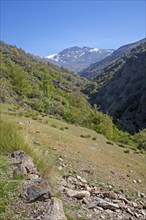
<point>55,211</point>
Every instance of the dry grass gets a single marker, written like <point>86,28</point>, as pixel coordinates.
<point>108,164</point>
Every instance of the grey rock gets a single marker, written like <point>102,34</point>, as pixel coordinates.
<point>106,205</point>
<point>24,164</point>
<point>55,211</point>
<point>39,191</point>
<point>78,194</point>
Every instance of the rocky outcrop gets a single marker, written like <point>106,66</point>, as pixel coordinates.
<point>36,199</point>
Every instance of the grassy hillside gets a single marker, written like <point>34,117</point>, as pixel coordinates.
<point>83,151</point>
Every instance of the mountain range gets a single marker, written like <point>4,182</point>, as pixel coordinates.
<point>116,85</point>
<point>78,58</point>
<point>96,68</point>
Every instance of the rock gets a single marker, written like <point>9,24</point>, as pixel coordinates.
<point>85,201</point>
<point>78,194</point>
<point>92,205</point>
<point>106,205</point>
<point>20,123</point>
<point>143,212</point>
<point>82,179</point>
<point>108,211</point>
<point>134,204</point>
<point>40,191</point>
<point>134,181</point>
<point>129,211</point>
<point>110,195</point>
<point>24,164</point>
<point>55,211</point>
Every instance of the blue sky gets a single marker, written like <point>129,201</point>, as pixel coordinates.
<point>46,27</point>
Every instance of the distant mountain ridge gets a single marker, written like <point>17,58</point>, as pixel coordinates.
<point>78,58</point>
<point>94,70</point>
<point>122,92</point>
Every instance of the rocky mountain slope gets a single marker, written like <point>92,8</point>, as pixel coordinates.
<point>122,92</point>
<point>97,68</point>
<point>78,58</point>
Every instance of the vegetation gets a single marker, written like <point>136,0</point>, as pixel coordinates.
<point>8,187</point>
<point>12,138</point>
<point>50,90</point>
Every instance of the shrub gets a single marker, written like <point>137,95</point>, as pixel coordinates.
<point>85,136</point>
<point>62,129</point>
<point>109,142</point>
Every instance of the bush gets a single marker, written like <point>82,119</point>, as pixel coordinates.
<point>109,142</point>
<point>85,136</point>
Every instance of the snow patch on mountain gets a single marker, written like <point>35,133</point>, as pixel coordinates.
<point>94,49</point>
<point>51,56</point>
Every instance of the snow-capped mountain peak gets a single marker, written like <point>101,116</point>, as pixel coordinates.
<point>77,58</point>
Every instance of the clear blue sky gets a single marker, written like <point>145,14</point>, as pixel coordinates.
<point>46,27</point>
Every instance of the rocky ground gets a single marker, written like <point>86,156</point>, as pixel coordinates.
<point>86,200</point>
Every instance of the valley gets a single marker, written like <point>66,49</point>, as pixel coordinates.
<point>94,168</point>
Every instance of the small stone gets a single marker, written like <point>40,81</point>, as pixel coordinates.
<point>134,181</point>
<point>99,208</point>
<point>108,211</point>
<point>139,181</point>
<point>78,194</point>
<point>92,205</point>
<point>110,187</point>
<point>143,212</point>
<point>85,201</point>
<point>81,179</point>
<point>137,215</point>
<point>134,204</point>
<point>60,168</point>
<point>129,211</point>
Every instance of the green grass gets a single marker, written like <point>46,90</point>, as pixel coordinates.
<point>8,185</point>
<point>13,138</point>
